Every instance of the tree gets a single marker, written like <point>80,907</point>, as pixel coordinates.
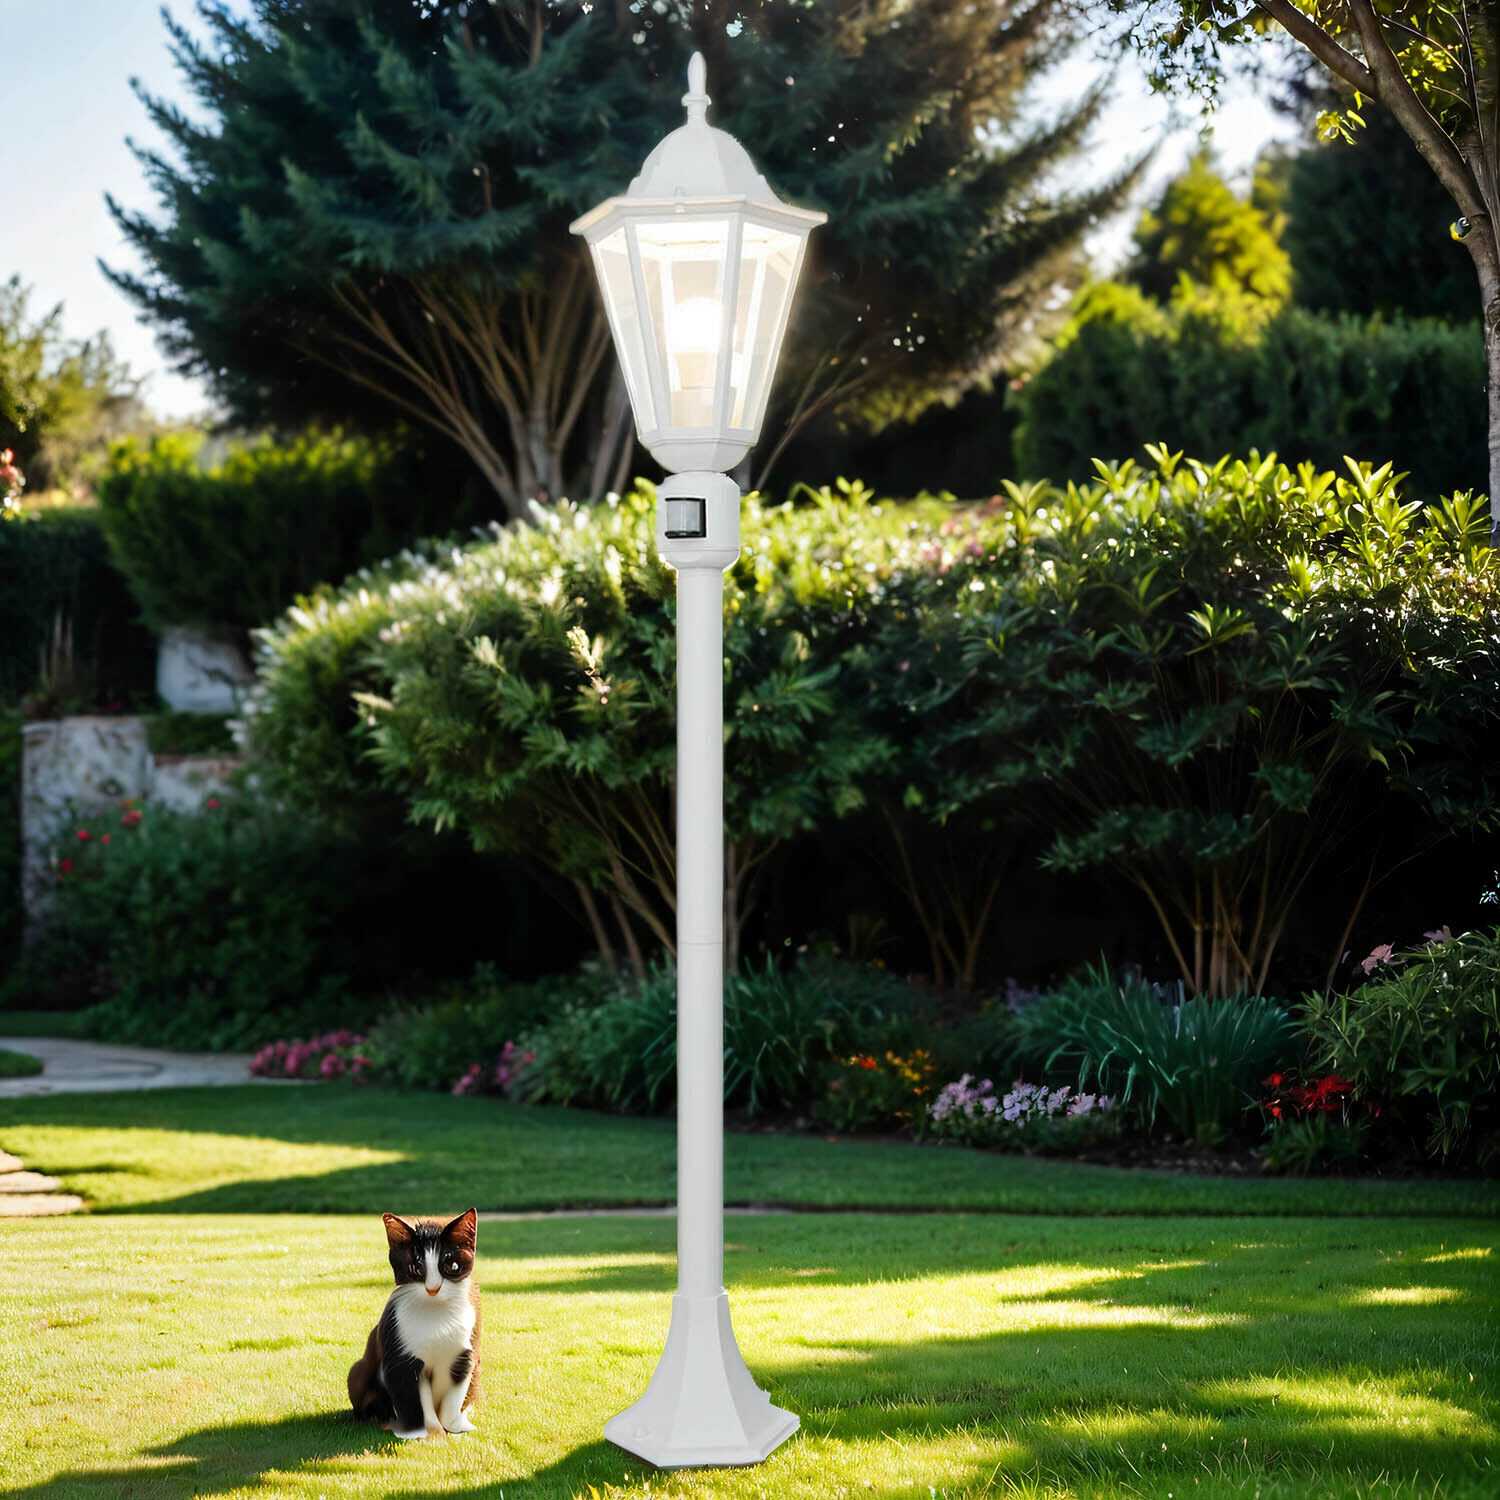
<point>1434,65</point>
<point>383,191</point>
<point>1201,230</point>
<point>59,398</point>
<point>1372,203</point>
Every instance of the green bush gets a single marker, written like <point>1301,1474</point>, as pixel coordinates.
<point>1421,1037</point>
<point>61,595</point>
<point>1201,681</point>
<point>177,732</point>
<point>216,930</point>
<point>1312,387</point>
<point>232,544</point>
<point>10,836</point>
<point>430,1047</point>
<point>1198,1061</point>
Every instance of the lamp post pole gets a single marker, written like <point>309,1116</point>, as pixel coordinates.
<point>697,263</point>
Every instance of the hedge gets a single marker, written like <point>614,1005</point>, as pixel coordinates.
<point>1229,689</point>
<point>1311,387</point>
<point>55,571</point>
<point>232,543</point>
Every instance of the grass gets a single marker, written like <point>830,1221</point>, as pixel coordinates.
<point>1077,1359</point>
<point>334,1149</point>
<point>18,1064</point>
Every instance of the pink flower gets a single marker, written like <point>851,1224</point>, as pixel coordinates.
<point>103,838</point>
<point>332,1065</point>
<point>212,803</point>
<point>1378,955</point>
<point>131,818</point>
<point>1439,935</point>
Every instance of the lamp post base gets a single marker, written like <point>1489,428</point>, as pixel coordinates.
<point>703,1407</point>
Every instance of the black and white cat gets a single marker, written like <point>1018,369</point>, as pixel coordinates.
<point>419,1373</point>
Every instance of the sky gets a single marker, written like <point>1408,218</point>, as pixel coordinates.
<point>71,108</point>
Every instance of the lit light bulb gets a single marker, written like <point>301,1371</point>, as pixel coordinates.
<point>693,326</point>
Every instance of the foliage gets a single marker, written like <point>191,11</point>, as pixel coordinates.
<point>1199,378</point>
<point>781,1029</point>
<point>1422,1034</point>
<point>18,1064</point>
<point>10,834</point>
<point>175,732</point>
<point>1434,67</point>
<point>61,598</point>
<point>867,1091</point>
<point>1199,679</point>
<point>1199,238</point>
<point>1197,1060</point>
<point>521,692</point>
<point>432,1046</point>
<point>213,930</point>
<point>376,200</point>
<point>60,400</point>
<point>1028,1117</point>
<point>232,543</point>
<point>1372,202</point>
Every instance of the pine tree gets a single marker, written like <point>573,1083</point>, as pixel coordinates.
<point>374,219</point>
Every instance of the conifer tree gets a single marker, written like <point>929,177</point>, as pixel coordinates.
<point>373,220</point>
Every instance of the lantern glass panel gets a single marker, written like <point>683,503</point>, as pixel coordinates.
<point>612,266</point>
<point>683,264</point>
<point>768,275</point>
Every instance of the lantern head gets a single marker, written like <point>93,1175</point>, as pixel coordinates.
<point>697,262</point>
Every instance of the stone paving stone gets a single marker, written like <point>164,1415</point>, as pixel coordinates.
<point>9,1163</point>
<point>38,1205</point>
<point>26,1182</point>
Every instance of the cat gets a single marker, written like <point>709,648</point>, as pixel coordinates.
<point>419,1373</point>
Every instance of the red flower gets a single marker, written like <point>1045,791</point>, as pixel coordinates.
<point>83,835</point>
<point>65,865</point>
<point>130,819</point>
<point>103,838</point>
<point>867,1063</point>
<point>1274,1081</point>
<point>1275,1111</point>
<point>212,803</point>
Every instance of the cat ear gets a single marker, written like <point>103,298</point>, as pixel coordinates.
<point>397,1231</point>
<point>464,1229</point>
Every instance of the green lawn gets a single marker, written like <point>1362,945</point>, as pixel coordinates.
<point>155,1355</point>
<point>1124,1335</point>
<point>18,1064</point>
<point>324,1149</point>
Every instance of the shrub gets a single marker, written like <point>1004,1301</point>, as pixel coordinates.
<point>59,591</point>
<point>1312,1126</point>
<point>1198,1061</point>
<point>1313,387</point>
<point>233,543</point>
<point>221,929</point>
<point>1422,1035</point>
<point>1210,683</point>
<point>432,1046</point>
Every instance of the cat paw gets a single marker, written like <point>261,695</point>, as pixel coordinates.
<point>460,1426</point>
<point>408,1435</point>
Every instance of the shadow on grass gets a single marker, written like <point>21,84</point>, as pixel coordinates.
<point>1136,1378</point>
<point>254,1150</point>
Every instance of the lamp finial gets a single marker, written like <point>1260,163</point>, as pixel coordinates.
<point>696,100</point>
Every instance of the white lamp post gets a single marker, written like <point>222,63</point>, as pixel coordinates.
<point>697,263</point>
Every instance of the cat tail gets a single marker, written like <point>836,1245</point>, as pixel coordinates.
<point>367,1393</point>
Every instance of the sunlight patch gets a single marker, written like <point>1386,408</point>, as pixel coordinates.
<point>1368,1404</point>
<point>1406,1296</point>
<point>1472,1252</point>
